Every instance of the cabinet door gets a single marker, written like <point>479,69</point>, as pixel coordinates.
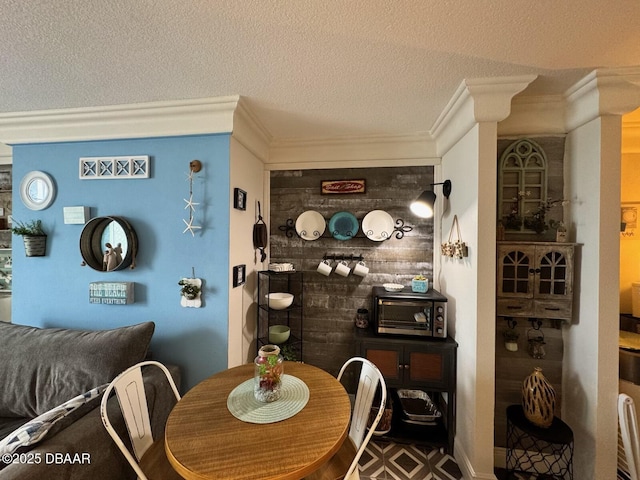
<point>516,271</point>
<point>388,360</point>
<point>427,367</point>
<point>554,272</point>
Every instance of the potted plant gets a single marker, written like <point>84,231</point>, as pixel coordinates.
<point>33,235</point>
<point>189,290</point>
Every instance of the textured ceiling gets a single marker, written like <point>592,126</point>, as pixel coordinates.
<point>308,69</point>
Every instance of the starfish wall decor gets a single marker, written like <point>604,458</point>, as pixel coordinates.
<point>194,167</point>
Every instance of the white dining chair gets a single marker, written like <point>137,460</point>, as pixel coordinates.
<point>344,464</point>
<point>629,432</point>
<point>150,460</point>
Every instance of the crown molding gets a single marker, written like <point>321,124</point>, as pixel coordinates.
<point>154,119</point>
<point>378,150</point>
<point>250,132</point>
<point>476,101</point>
<point>378,163</point>
<point>6,154</point>
<point>534,115</point>
<point>614,91</point>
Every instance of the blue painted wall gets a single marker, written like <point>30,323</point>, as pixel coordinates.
<point>54,290</point>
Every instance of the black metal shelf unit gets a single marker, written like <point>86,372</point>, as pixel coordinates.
<point>286,282</point>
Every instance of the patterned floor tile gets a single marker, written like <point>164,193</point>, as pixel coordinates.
<point>443,466</point>
<point>403,462</point>
<point>384,460</point>
<point>372,462</point>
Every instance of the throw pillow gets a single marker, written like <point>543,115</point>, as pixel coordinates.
<point>35,430</point>
<point>44,367</point>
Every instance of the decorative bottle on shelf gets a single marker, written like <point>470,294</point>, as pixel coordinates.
<point>538,399</point>
<point>269,369</point>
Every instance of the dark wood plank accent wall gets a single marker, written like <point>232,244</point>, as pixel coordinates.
<point>330,303</point>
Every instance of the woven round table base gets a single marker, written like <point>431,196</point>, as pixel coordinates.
<point>243,405</point>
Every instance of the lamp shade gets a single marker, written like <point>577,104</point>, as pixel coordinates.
<point>423,205</point>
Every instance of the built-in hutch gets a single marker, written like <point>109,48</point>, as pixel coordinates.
<point>534,273</point>
<point>535,280</point>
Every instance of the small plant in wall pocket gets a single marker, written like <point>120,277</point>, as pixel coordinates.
<point>190,292</point>
<point>33,235</point>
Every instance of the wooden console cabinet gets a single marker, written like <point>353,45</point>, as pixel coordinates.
<point>422,364</point>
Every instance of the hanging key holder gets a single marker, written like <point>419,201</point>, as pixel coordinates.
<point>454,247</point>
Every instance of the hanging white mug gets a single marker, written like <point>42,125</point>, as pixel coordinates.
<point>324,268</point>
<point>343,269</point>
<point>361,269</point>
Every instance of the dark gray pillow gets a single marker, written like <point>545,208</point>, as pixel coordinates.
<point>41,368</point>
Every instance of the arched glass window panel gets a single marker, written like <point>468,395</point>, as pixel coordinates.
<point>522,184</point>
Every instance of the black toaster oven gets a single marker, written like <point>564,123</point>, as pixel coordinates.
<point>410,313</point>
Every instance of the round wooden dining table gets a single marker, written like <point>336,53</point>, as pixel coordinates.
<point>204,440</point>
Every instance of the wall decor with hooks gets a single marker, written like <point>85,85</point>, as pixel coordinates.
<point>337,257</point>
<point>377,225</point>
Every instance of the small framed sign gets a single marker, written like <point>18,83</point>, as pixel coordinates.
<point>239,275</point>
<point>342,186</point>
<point>239,199</point>
<point>111,293</point>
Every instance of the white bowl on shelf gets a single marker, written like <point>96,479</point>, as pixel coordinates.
<point>279,300</point>
<point>393,287</point>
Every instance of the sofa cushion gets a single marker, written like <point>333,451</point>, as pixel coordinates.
<point>44,367</point>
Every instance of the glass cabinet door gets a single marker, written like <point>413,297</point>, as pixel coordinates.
<point>515,271</point>
<point>553,272</point>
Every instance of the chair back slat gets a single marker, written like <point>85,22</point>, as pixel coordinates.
<point>133,403</point>
<point>369,381</point>
<point>367,387</point>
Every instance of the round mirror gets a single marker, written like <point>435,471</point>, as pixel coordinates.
<point>108,244</point>
<point>37,190</point>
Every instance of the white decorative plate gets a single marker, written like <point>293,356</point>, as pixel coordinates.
<point>393,287</point>
<point>377,225</point>
<point>310,225</point>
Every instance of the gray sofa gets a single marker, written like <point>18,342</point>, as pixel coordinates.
<point>41,369</point>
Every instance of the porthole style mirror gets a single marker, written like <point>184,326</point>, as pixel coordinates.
<point>108,244</point>
<point>37,190</point>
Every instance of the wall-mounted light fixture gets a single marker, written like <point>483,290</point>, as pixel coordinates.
<point>423,205</point>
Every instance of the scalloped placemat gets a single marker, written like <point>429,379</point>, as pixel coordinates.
<point>243,405</point>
